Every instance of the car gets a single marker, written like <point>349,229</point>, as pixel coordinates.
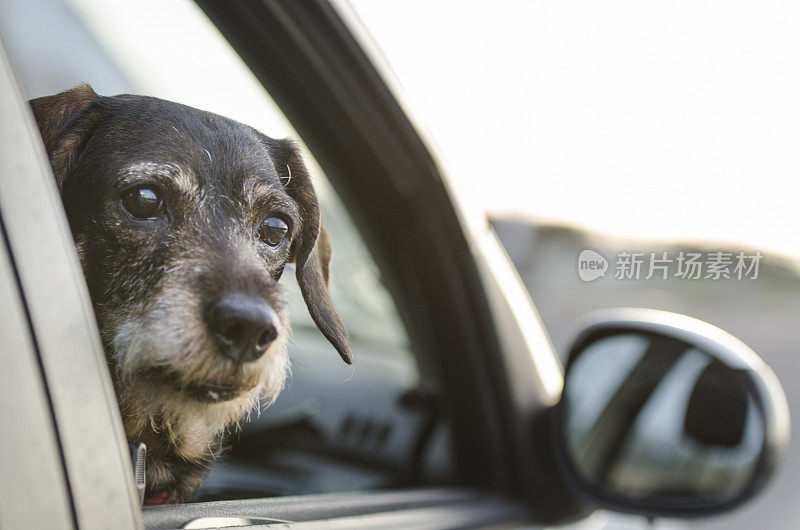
<point>458,413</point>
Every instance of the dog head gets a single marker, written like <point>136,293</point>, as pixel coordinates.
<point>184,221</point>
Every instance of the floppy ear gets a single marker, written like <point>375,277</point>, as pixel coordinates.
<point>66,121</point>
<point>312,248</point>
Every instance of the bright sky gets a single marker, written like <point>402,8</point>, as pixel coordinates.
<point>169,49</point>
<point>668,119</point>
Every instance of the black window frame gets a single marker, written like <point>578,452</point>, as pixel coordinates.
<point>317,73</point>
<point>328,79</point>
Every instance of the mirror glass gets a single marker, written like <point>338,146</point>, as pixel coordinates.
<point>649,416</point>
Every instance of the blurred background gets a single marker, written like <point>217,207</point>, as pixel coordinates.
<point>614,126</point>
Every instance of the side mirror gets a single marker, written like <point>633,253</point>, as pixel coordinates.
<point>663,414</point>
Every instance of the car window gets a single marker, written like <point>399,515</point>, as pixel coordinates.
<point>334,427</point>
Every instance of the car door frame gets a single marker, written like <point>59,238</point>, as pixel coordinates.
<point>471,336</point>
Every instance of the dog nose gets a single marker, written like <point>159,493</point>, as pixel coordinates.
<point>244,325</point>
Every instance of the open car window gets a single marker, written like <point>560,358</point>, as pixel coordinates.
<point>334,427</point>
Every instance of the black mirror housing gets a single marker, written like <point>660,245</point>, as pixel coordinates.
<point>666,415</point>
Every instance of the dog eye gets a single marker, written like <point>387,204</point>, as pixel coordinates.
<point>273,231</point>
<point>142,203</point>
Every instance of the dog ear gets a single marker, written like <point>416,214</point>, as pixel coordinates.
<point>312,248</point>
<point>65,122</point>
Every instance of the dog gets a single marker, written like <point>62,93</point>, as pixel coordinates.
<point>183,222</point>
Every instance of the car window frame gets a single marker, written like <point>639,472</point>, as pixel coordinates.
<point>471,320</point>
<point>315,71</point>
<point>117,504</point>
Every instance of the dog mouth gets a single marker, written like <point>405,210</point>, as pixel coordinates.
<point>214,391</point>
<point>211,392</point>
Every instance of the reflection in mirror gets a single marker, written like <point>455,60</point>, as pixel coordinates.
<point>646,415</point>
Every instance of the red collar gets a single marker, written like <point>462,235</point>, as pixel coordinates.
<point>155,500</point>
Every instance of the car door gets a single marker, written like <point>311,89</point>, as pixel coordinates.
<point>491,377</point>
